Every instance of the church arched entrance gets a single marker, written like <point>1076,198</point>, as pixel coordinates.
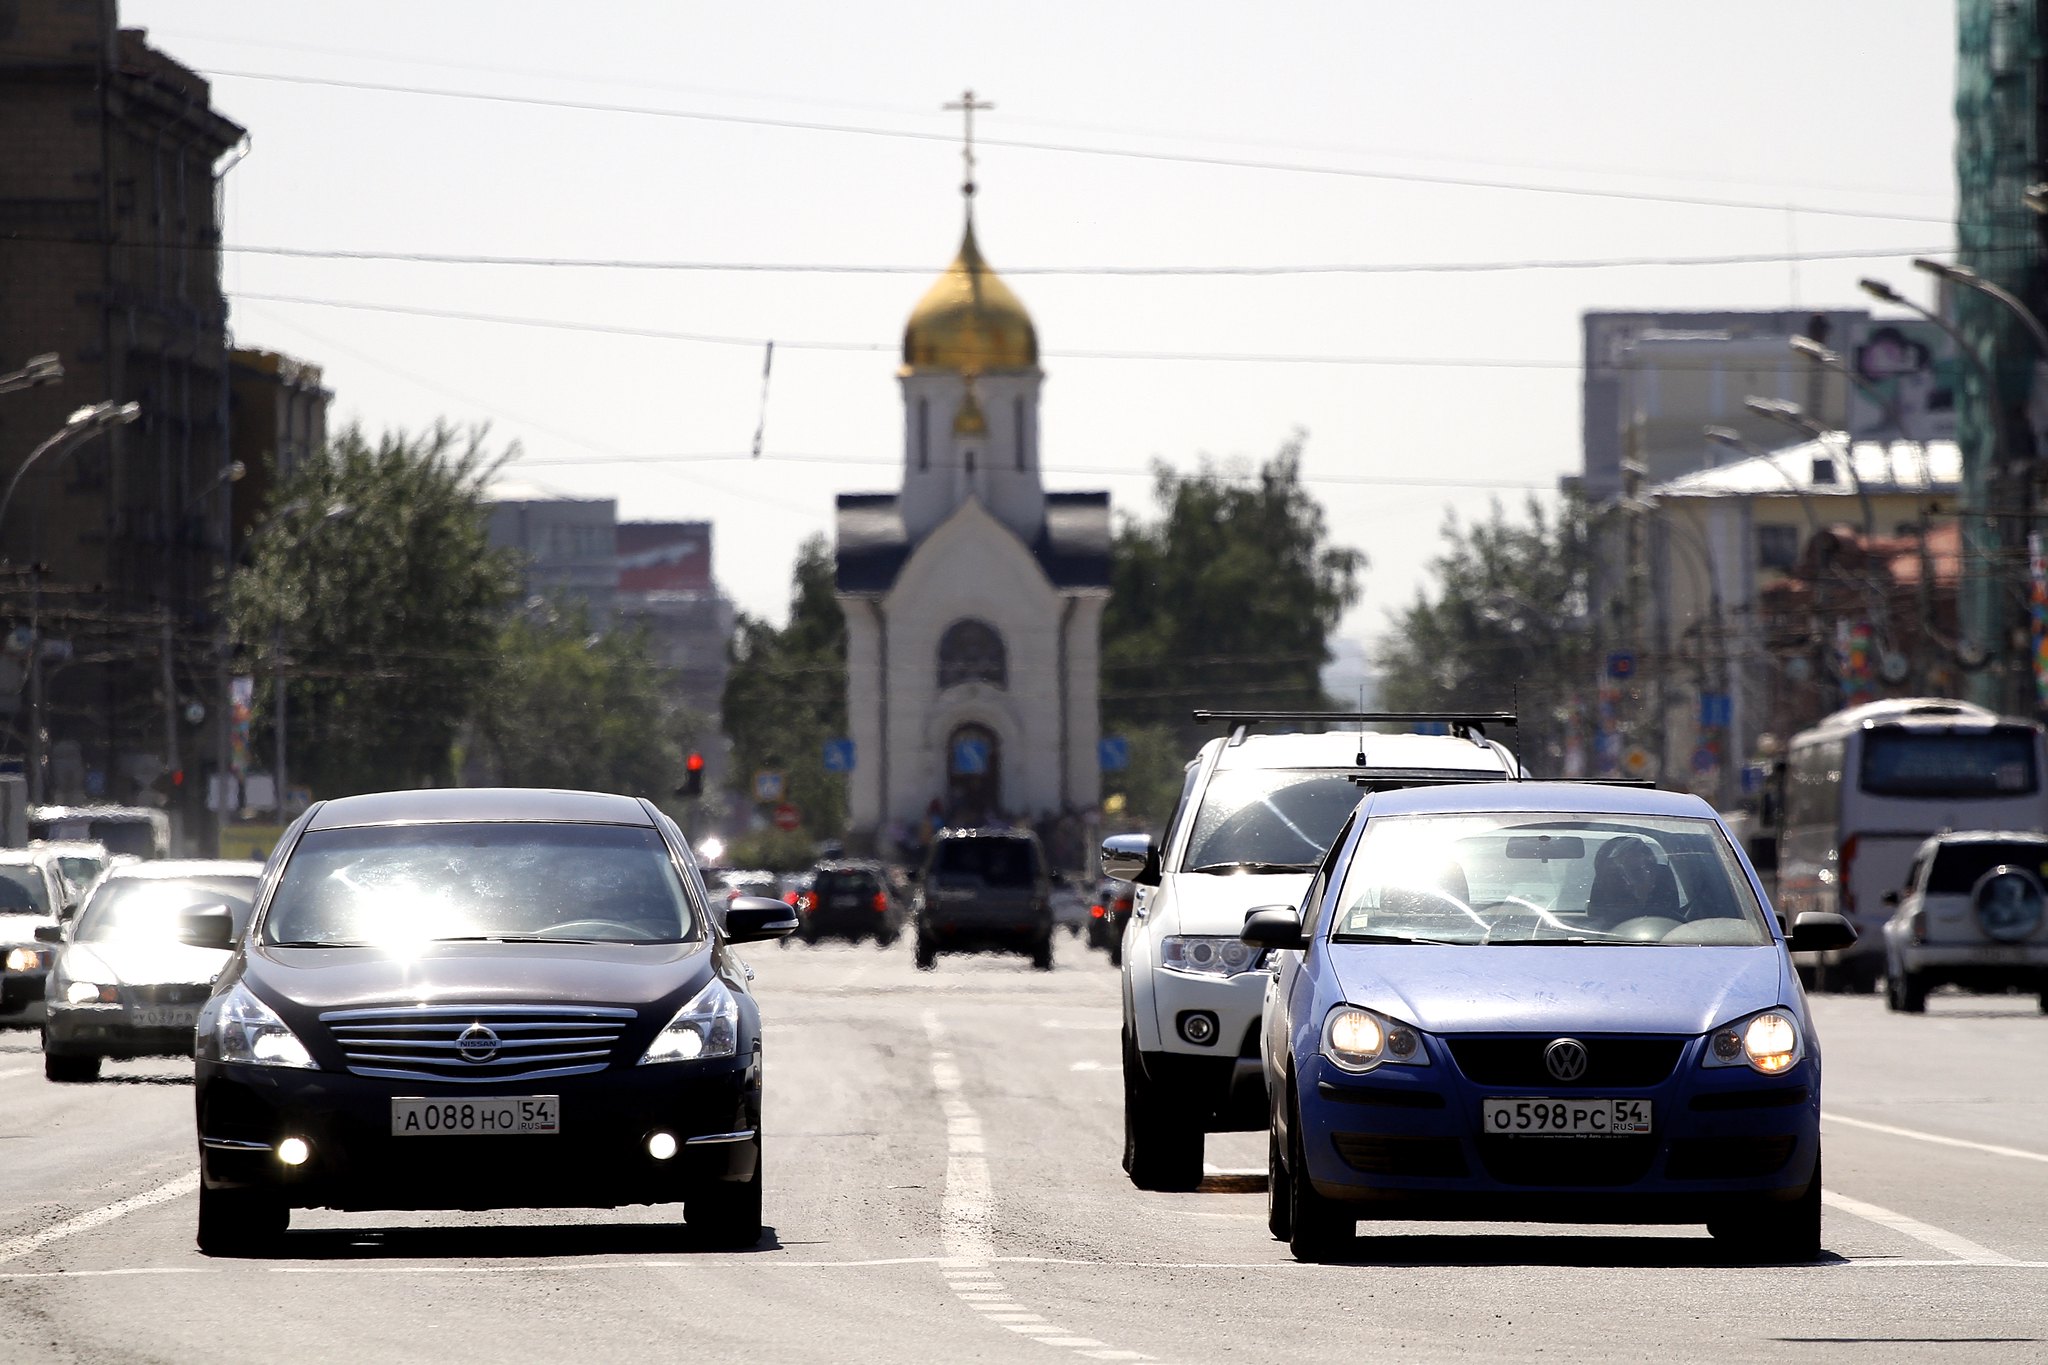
<point>974,772</point>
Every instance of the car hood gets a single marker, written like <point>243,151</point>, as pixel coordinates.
<point>1446,989</point>
<point>143,963</point>
<point>631,974</point>
<point>1211,903</point>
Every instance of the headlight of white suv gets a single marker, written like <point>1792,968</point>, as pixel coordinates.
<point>26,959</point>
<point>1359,1040</point>
<point>1208,955</point>
<point>709,1026</point>
<point>238,1027</point>
<point>1768,1042</point>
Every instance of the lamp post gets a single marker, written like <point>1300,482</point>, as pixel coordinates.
<point>1735,440</point>
<point>40,370</point>
<point>1792,415</point>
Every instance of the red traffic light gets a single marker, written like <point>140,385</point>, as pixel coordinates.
<point>694,763</point>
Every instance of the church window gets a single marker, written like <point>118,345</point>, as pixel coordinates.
<point>972,651</point>
<point>924,434</point>
<point>1019,424</point>
<point>967,458</point>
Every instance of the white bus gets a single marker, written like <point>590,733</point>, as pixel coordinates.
<point>1859,792</point>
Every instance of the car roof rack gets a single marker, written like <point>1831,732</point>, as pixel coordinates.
<point>1388,778</point>
<point>1463,724</point>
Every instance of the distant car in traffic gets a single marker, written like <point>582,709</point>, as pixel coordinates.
<point>1548,1002</point>
<point>80,860</point>
<point>136,962</point>
<point>850,899</point>
<point>34,896</point>
<point>984,890</point>
<point>141,831</point>
<point>1971,914</point>
<point>482,999</point>
<point>1108,914</point>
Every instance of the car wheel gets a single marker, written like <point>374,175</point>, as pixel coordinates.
<point>1116,953</point>
<point>927,953</point>
<point>1893,997</point>
<point>1776,1233</point>
<point>1913,993</point>
<point>727,1213</point>
<point>240,1222</point>
<point>887,940</point>
<point>1041,955</point>
<point>1162,1142</point>
<point>2044,1000</point>
<point>1279,1194</point>
<point>69,1067</point>
<point>1318,1229</point>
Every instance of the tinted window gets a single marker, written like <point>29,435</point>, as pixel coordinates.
<point>847,883</point>
<point>22,891</point>
<point>1269,817</point>
<point>994,862</point>
<point>396,884</point>
<point>1931,763</point>
<point>1958,867</point>
<point>150,907</point>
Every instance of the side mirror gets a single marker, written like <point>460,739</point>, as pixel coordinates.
<point>49,933</point>
<point>1763,852</point>
<point>1819,931</point>
<point>751,919</point>
<point>209,927</point>
<point>1131,858</point>
<point>1273,926</point>
<point>1890,898</point>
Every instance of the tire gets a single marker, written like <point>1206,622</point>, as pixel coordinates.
<point>1279,1191</point>
<point>1162,1142</point>
<point>1319,1229</point>
<point>728,1213</point>
<point>1776,1233</point>
<point>1041,954</point>
<point>1116,953</point>
<point>2044,1000</point>
<point>887,940</point>
<point>69,1068</point>
<point>240,1222</point>
<point>1912,993</point>
<point>927,953</point>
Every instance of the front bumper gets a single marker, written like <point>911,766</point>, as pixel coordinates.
<point>1406,1142</point>
<point>599,1159</point>
<point>21,997</point>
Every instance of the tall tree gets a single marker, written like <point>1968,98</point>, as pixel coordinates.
<point>1507,628</point>
<point>374,589</point>
<point>786,695</point>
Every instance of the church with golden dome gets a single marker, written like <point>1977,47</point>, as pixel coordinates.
<point>973,597</point>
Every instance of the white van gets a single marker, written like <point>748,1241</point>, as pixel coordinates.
<point>1862,790</point>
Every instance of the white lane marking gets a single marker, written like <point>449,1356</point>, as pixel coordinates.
<point>1962,1248</point>
<point>18,1071</point>
<point>14,1248</point>
<point>1077,1066</point>
<point>1209,1168</point>
<point>1917,1135</point>
<point>1116,1023</point>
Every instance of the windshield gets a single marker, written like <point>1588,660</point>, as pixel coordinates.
<point>80,868</point>
<point>392,885</point>
<point>22,890</point>
<point>1520,877</point>
<point>1268,819</point>
<point>1899,762</point>
<point>130,908</point>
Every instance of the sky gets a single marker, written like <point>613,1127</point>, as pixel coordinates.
<point>1193,169</point>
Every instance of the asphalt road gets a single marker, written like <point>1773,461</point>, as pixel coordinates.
<point>943,1186</point>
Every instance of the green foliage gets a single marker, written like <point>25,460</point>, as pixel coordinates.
<point>579,708</point>
<point>1228,600</point>
<point>1508,628</point>
<point>1151,784</point>
<point>786,695</point>
<point>373,579</point>
<point>773,850</point>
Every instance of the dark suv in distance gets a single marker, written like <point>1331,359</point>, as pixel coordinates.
<point>985,890</point>
<point>482,999</point>
<point>850,900</point>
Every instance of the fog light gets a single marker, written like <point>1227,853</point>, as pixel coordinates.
<point>293,1151</point>
<point>1198,1027</point>
<point>661,1146</point>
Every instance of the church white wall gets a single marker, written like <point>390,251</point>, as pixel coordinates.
<point>936,474</point>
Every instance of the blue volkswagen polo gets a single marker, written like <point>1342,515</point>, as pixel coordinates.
<point>1535,1001</point>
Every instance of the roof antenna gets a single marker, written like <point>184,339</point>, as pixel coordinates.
<point>1359,762</point>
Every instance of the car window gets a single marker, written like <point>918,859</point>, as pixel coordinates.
<point>992,862</point>
<point>1270,818</point>
<point>396,884</point>
<point>152,907</point>
<point>1518,877</point>
<point>22,890</point>
<point>1957,868</point>
<point>847,883</point>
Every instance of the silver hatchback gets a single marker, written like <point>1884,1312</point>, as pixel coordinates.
<point>1974,914</point>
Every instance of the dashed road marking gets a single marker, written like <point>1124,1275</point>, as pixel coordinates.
<point>14,1248</point>
<point>5,1072</point>
<point>1962,1248</point>
<point>1939,1139</point>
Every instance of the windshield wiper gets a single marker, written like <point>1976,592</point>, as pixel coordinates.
<point>316,943</point>
<point>1399,938</point>
<point>1254,867</point>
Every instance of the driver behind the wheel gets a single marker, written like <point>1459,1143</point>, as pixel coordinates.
<point>1630,882</point>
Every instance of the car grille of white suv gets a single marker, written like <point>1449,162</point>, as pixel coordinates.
<point>477,1044</point>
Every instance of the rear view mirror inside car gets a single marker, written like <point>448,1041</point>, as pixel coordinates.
<point>1546,847</point>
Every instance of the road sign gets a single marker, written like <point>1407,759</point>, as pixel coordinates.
<point>1113,753</point>
<point>787,817</point>
<point>1717,710</point>
<point>1705,760</point>
<point>767,786</point>
<point>839,754</point>
<point>1621,664</point>
<point>970,757</point>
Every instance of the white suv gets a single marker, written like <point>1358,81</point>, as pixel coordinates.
<point>1256,816</point>
<point>1973,913</point>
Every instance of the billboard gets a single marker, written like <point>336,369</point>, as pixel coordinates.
<point>1905,387</point>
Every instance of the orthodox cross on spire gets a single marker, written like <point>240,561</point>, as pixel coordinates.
<point>967,104</point>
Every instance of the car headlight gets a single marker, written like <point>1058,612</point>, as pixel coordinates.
<point>91,993</point>
<point>26,959</point>
<point>1208,955</point>
<point>1768,1042</point>
<point>238,1027</point>
<point>709,1026</point>
<point>1359,1040</point>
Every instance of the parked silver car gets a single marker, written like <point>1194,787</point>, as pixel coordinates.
<point>1972,915</point>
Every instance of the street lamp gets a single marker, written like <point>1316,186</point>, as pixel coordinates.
<point>1735,440</point>
<point>1790,414</point>
<point>1965,278</point>
<point>40,370</point>
<point>81,426</point>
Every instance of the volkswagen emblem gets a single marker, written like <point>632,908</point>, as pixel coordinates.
<point>1565,1059</point>
<point>478,1044</point>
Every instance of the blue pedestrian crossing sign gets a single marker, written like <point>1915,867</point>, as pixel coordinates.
<point>839,755</point>
<point>970,757</point>
<point>1113,752</point>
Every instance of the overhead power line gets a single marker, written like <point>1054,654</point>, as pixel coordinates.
<point>1077,149</point>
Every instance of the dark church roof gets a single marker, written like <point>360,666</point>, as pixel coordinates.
<point>1072,547</point>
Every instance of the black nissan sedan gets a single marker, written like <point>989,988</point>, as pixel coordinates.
<point>483,998</point>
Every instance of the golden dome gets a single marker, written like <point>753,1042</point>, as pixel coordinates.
<point>969,320</point>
